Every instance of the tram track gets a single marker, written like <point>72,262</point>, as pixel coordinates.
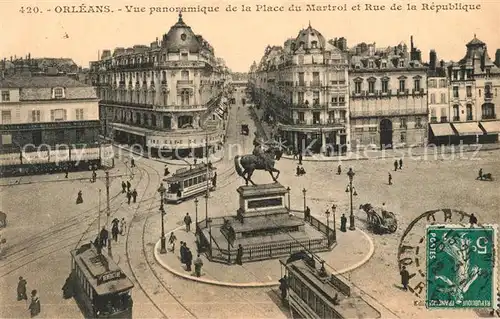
<point>53,244</point>
<point>142,269</point>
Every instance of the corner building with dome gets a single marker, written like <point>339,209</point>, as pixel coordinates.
<point>167,97</point>
<point>303,85</point>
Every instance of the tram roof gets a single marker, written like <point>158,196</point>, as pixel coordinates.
<point>95,267</point>
<point>184,173</point>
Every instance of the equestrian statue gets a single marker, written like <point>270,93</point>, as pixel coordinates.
<point>262,158</point>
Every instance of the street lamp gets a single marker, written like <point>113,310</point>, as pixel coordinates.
<point>327,213</point>
<point>163,248</point>
<point>350,189</point>
<point>304,191</point>
<point>206,209</point>
<point>196,201</point>
<point>288,191</point>
<point>334,210</point>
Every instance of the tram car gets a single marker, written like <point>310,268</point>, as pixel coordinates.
<point>98,285</point>
<point>189,182</point>
<point>313,292</point>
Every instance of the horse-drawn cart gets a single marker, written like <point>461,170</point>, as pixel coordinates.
<point>380,222</point>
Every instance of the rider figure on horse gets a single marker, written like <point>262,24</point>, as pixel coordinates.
<point>258,150</point>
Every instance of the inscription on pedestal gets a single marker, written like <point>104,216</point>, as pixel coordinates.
<point>268,202</point>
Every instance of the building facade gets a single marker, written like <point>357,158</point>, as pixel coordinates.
<point>388,96</point>
<point>47,120</point>
<point>474,99</point>
<point>166,97</point>
<point>305,85</point>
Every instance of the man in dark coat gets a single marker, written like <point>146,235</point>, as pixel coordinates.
<point>283,288</point>
<point>343,223</point>
<point>472,220</point>
<point>183,252</point>
<point>239,255</point>
<point>187,221</point>
<point>129,196</point>
<point>134,195</point>
<point>400,163</point>
<point>390,179</point>
<point>124,187</point>
<point>307,213</point>
<point>300,157</point>
<point>189,259</point>
<point>405,278</point>
<point>214,179</point>
<point>128,186</point>
<point>79,198</point>
<point>132,162</point>
<point>34,307</point>
<point>395,165</point>
<point>103,236</point>
<point>166,171</point>
<point>339,170</point>
<point>21,289</point>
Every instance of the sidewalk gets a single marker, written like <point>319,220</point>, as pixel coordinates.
<point>214,158</point>
<point>425,152</point>
<point>353,249</point>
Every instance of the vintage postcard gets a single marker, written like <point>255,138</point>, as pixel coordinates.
<point>249,159</point>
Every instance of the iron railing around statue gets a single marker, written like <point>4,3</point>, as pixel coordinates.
<point>328,231</point>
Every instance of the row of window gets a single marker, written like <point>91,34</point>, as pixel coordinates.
<point>55,115</point>
<point>141,97</point>
<point>57,93</point>
<point>195,180</point>
<point>317,115</point>
<point>402,124</point>
<point>82,280</point>
<point>468,91</point>
<point>433,83</point>
<point>358,85</point>
<point>373,138</point>
<point>122,76</point>
<point>441,101</point>
<point>316,100</point>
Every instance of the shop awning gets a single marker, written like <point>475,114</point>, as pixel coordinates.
<point>471,128</point>
<point>442,129</point>
<point>491,127</point>
<point>130,129</point>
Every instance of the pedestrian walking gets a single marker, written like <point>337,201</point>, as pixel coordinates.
<point>189,259</point>
<point>307,213</point>
<point>300,158</point>
<point>114,229</point>
<point>198,263</point>
<point>124,187</point>
<point>21,289</point>
<point>214,180</point>
<point>187,221</point>
<point>171,241</point>
<point>79,198</point>
<point>343,223</point>
<point>405,278</point>
<point>390,179</point>
<point>166,171</point>
<point>134,195</point>
<point>66,172</point>
<point>103,237</point>
<point>283,288</point>
<point>472,220</point>
<point>480,177</point>
<point>182,252</point>
<point>395,165</point>
<point>239,255</point>
<point>400,163</point>
<point>123,226</point>
<point>129,196</point>
<point>34,306</point>
<point>132,162</point>
<point>128,186</point>
<point>339,170</point>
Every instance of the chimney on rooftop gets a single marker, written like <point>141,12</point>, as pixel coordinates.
<point>432,60</point>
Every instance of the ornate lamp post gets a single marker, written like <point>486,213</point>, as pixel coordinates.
<point>288,191</point>
<point>206,209</point>
<point>196,201</point>
<point>163,248</point>
<point>304,191</point>
<point>350,189</point>
<point>327,213</point>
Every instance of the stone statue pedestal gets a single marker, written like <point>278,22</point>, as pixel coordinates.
<point>264,227</point>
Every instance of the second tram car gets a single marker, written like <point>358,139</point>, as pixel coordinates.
<point>314,293</point>
<point>188,182</point>
<point>99,286</point>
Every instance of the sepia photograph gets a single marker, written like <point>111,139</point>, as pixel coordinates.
<point>247,159</point>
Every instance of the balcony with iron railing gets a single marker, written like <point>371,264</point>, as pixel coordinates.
<point>396,112</point>
<point>318,123</point>
<point>488,116</point>
<point>488,96</point>
<point>444,119</point>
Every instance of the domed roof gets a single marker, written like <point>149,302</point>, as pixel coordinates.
<point>310,38</point>
<point>181,37</point>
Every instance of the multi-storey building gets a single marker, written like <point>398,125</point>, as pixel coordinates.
<point>48,120</point>
<point>473,91</point>
<point>304,83</point>
<point>166,97</point>
<point>388,96</point>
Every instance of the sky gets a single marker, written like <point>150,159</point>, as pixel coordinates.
<point>241,37</point>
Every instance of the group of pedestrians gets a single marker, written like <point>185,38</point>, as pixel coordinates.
<point>397,165</point>
<point>186,257</point>
<point>131,194</point>
<point>34,306</point>
<point>119,227</point>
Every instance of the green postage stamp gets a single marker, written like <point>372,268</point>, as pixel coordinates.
<point>461,266</point>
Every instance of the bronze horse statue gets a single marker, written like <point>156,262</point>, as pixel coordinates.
<point>247,164</point>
